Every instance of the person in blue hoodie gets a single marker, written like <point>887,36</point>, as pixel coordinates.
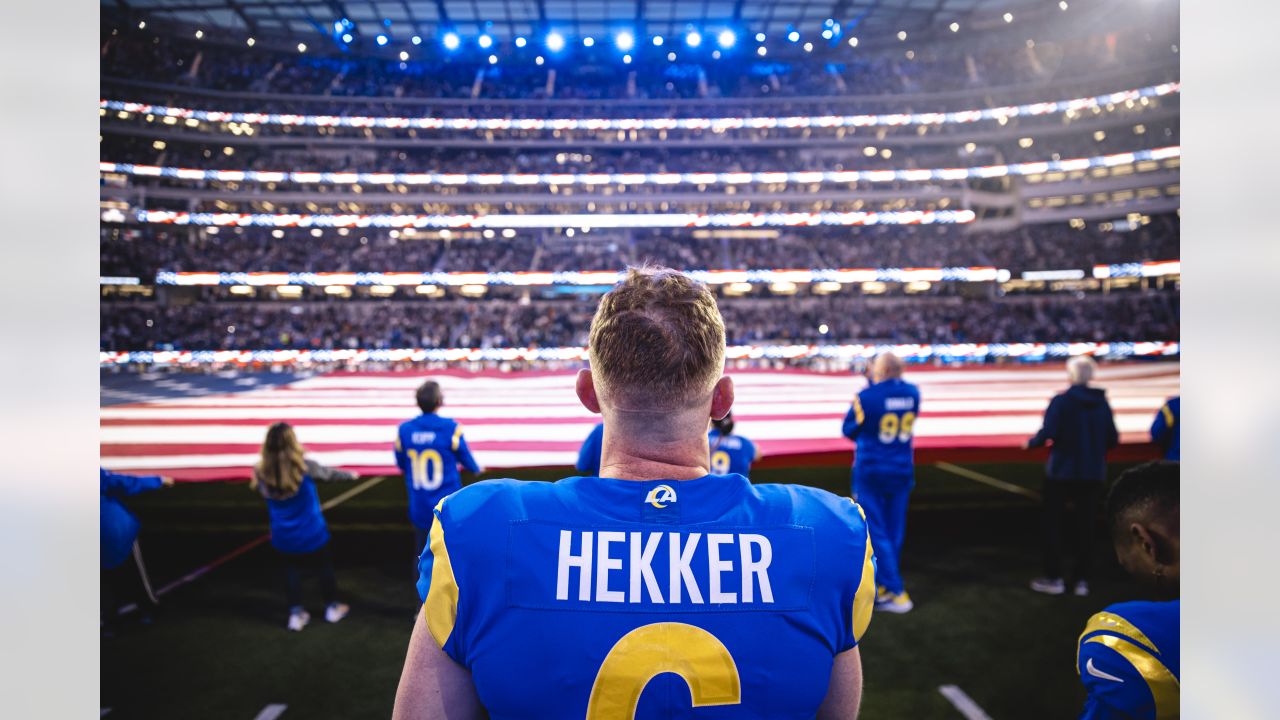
<point>286,480</point>
<point>1082,429</point>
<point>1129,655</point>
<point>118,534</point>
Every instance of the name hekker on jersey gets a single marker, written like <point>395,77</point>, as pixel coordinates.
<point>602,598</point>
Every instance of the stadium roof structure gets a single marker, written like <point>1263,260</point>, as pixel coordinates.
<point>506,19</point>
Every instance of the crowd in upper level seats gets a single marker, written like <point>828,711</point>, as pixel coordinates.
<point>142,252</point>
<point>554,323</point>
<point>990,59</point>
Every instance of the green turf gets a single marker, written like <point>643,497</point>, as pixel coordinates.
<point>220,650</point>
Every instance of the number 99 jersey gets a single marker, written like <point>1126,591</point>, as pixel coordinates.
<point>428,451</point>
<point>882,422</point>
<point>601,598</point>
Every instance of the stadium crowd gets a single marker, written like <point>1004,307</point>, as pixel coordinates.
<point>142,252</point>
<point>565,322</point>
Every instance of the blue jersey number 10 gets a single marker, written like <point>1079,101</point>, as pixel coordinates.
<point>428,469</point>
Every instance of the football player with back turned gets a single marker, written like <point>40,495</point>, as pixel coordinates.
<point>882,422</point>
<point>658,587</point>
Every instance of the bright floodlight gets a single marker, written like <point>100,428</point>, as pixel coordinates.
<point>452,41</point>
<point>417,40</point>
<point>403,56</point>
<point>625,41</point>
<point>759,37</point>
<point>693,39</point>
<point>588,41</point>
<point>555,41</point>
<point>793,36</point>
<point>657,41</point>
<point>761,51</point>
<point>626,59</point>
<point>485,41</point>
<point>520,42</point>
<point>337,26</point>
<point>726,38</point>
<point>346,37</point>
<point>382,39</point>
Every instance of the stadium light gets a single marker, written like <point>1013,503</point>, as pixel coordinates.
<point>955,27</point>
<point>727,39</point>
<point>555,41</point>
<point>404,55</point>
<point>142,24</point>
<point>521,42</point>
<point>793,36</point>
<point>416,40</point>
<point>588,41</point>
<point>657,41</point>
<point>853,41</point>
<point>1008,17</point>
<point>826,34</point>
<point>693,39</point>
<point>346,37</point>
<point>759,37</point>
<point>902,35</point>
<point>625,41</point>
<point>762,51</point>
<point>302,47</point>
<point>451,41</point>
<point>671,57</point>
<point>382,40</point>
<point>337,26</point>
<point>538,60</point>
<point>715,55</point>
<point>199,34</point>
<point>1063,5</point>
<point>626,59</point>
<point>808,47</point>
<point>485,41</point>
<point>493,59</point>
<point>250,42</point>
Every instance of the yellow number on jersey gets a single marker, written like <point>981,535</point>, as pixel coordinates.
<point>428,469</point>
<point>719,462</point>
<point>893,427</point>
<point>694,654</point>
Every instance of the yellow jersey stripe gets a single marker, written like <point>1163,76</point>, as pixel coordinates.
<point>398,448</point>
<point>457,436</point>
<point>441,605</point>
<point>858,415</point>
<point>1168,415</point>
<point>1113,623</point>
<point>864,599</point>
<point>1164,687</point>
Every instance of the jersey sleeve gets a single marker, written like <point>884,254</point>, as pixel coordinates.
<point>402,459</point>
<point>438,587</point>
<point>119,484</point>
<point>854,418</point>
<point>1163,423</point>
<point>1049,430</point>
<point>1122,672</point>
<point>848,560</point>
<point>462,451</point>
<point>864,596</point>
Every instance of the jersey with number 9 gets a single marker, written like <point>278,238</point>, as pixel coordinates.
<point>600,598</point>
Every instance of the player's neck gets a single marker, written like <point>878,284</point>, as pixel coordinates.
<point>629,458</point>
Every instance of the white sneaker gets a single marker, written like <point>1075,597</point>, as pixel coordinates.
<point>1082,589</point>
<point>298,619</point>
<point>336,611</point>
<point>1049,586</point>
<point>896,603</point>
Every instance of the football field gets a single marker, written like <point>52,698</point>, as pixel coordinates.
<point>219,648</point>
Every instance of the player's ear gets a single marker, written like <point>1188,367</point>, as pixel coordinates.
<point>722,398</point>
<point>1143,540</point>
<point>586,389</point>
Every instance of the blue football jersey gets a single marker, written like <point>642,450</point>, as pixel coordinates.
<point>589,455</point>
<point>603,598</point>
<point>428,451</point>
<point>730,453</point>
<point>1129,662</point>
<point>882,422</point>
<point>1166,430</point>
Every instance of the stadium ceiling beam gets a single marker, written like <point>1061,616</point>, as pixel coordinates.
<point>413,19</point>
<point>443,11</point>
<point>737,10</point>
<point>248,21</point>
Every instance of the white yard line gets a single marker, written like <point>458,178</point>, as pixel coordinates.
<point>352,492</point>
<point>271,712</point>
<point>988,480</point>
<point>962,702</point>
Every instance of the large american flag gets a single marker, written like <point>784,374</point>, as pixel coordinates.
<point>204,431</point>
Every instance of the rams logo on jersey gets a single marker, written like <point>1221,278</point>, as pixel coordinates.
<point>661,496</point>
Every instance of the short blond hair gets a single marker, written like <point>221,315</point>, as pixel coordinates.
<point>657,341</point>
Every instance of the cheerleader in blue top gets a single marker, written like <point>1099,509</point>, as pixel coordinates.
<point>286,480</point>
